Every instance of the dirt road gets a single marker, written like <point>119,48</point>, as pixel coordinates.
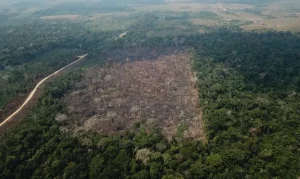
<point>121,35</point>
<point>32,94</point>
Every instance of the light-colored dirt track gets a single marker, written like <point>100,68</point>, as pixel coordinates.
<point>32,94</point>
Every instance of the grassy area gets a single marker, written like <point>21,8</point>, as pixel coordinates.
<point>110,21</point>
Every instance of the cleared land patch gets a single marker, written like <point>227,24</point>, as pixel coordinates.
<point>157,93</point>
<point>60,17</point>
<point>277,16</point>
<point>109,21</point>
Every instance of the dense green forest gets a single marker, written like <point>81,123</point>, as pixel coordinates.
<point>27,56</point>
<point>250,97</point>
<point>249,90</point>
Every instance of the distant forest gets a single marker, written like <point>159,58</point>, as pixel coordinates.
<point>239,1</point>
<point>134,1</point>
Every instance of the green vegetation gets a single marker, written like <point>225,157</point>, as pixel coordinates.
<point>31,51</point>
<point>81,8</point>
<point>250,103</point>
<point>21,78</point>
<point>206,15</point>
<point>249,90</point>
<point>250,94</point>
<point>253,11</point>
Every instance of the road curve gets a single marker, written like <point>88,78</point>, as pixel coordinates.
<point>35,89</point>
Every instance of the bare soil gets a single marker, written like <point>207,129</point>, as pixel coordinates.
<point>60,17</point>
<point>156,93</point>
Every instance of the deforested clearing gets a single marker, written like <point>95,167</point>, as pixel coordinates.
<point>149,94</point>
<point>60,17</point>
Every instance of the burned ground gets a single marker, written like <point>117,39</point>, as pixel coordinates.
<point>157,93</point>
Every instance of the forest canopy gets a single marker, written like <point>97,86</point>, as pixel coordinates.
<point>248,114</point>
<point>248,83</point>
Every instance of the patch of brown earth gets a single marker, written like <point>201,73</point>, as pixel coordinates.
<point>157,93</point>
